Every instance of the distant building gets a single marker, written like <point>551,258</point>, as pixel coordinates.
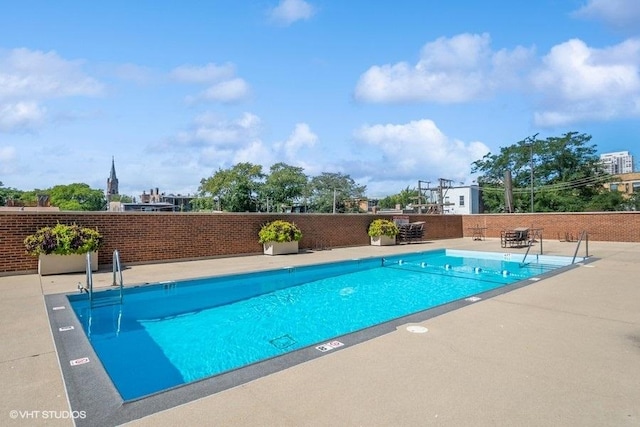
<point>462,200</point>
<point>155,201</point>
<point>626,183</point>
<point>617,163</point>
<point>112,182</point>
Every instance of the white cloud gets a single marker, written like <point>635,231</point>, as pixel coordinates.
<point>206,74</point>
<point>21,116</point>
<point>302,136</point>
<point>29,78</point>
<point>7,154</point>
<point>229,91</point>
<point>219,141</point>
<point>578,83</point>
<point>8,159</point>
<point>417,150</point>
<point>621,14</point>
<point>134,73</point>
<point>36,75</point>
<point>289,11</point>
<point>224,86</point>
<point>458,69</point>
<point>255,152</point>
<point>572,83</point>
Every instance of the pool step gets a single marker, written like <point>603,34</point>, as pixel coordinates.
<point>106,301</point>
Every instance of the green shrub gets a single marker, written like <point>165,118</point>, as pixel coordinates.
<point>383,227</point>
<point>63,240</point>
<point>279,231</point>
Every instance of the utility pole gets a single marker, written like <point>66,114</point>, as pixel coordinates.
<point>443,183</point>
<point>420,195</point>
<point>529,141</point>
<point>508,192</point>
<point>334,200</point>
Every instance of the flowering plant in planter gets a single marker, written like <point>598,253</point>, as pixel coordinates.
<point>383,227</point>
<point>63,240</point>
<point>279,231</point>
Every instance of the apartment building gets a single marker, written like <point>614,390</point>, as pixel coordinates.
<point>617,163</point>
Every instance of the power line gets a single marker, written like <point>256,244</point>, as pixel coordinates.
<point>560,186</point>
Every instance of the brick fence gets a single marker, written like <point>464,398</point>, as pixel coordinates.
<point>157,237</point>
<point>601,226</point>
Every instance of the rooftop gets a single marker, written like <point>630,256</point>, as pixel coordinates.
<point>561,351</point>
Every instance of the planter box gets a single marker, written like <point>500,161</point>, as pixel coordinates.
<point>60,264</point>
<point>383,241</point>
<point>280,248</point>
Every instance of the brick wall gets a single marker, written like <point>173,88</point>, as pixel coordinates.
<point>601,226</point>
<point>155,237</point>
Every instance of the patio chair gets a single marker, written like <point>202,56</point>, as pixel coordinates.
<point>517,237</point>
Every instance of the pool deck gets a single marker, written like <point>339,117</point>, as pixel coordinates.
<point>561,351</point>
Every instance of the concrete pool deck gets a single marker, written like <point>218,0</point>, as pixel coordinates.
<point>562,351</point>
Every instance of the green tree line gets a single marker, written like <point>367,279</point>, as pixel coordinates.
<point>246,188</point>
<point>565,173</point>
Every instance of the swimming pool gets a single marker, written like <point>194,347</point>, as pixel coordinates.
<point>168,334</point>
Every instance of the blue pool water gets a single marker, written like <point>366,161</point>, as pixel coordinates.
<point>179,332</point>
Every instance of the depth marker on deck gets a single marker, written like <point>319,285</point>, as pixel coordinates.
<point>80,361</point>
<point>329,346</point>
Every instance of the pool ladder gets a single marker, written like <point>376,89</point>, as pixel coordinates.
<point>117,272</point>
<point>583,236</point>
<point>523,263</point>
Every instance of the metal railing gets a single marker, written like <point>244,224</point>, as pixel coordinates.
<point>89,285</point>
<point>117,281</point>
<point>117,270</point>
<point>522,264</point>
<point>583,236</point>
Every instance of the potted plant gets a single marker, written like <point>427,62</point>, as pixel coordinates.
<point>383,232</point>
<point>63,248</point>
<point>279,237</point>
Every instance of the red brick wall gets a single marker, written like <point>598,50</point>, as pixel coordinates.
<point>155,237</point>
<point>601,226</point>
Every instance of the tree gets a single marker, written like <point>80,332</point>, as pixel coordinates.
<point>77,197</point>
<point>404,198</point>
<point>567,175</point>
<point>606,201</point>
<point>72,197</point>
<point>284,185</point>
<point>632,203</point>
<point>7,193</point>
<point>327,187</point>
<point>236,188</point>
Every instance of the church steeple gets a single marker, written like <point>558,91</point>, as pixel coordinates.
<point>112,181</point>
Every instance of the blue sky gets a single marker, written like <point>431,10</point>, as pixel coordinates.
<point>389,92</point>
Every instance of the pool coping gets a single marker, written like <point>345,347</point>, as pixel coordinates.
<point>90,390</point>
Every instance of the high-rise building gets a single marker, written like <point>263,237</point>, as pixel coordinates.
<point>617,163</point>
<point>112,182</point>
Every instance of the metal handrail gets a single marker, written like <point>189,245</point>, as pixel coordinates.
<point>583,234</point>
<point>117,269</point>
<point>522,264</point>
<point>89,286</point>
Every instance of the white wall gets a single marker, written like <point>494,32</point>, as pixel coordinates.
<point>471,200</point>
